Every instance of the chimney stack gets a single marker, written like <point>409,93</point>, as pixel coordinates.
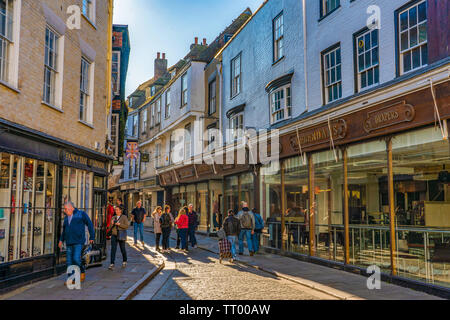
<point>204,41</point>
<point>196,40</point>
<point>160,65</point>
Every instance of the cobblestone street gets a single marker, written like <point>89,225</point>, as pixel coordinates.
<point>200,276</point>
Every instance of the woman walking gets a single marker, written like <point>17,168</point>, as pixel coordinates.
<point>166,221</point>
<point>156,215</point>
<point>119,228</point>
<point>182,221</point>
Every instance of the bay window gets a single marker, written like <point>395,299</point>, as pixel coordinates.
<point>280,104</point>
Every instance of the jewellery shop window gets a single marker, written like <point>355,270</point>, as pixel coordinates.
<point>27,200</point>
<point>77,188</point>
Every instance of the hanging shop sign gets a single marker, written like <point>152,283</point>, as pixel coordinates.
<point>132,150</point>
<point>145,157</point>
<point>389,116</point>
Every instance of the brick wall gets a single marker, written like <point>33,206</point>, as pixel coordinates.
<point>26,108</point>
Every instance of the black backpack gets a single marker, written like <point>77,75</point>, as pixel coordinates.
<point>165,221</point>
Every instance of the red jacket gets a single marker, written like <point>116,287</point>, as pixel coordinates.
<point>182,222</point>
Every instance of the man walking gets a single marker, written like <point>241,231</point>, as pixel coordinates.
<point>74,235</point>
<point>247,220</point>
<point>193,223</point>
<point>138,217</point>
<point>232,228</point>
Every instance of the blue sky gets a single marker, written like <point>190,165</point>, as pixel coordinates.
<point>170,26</point>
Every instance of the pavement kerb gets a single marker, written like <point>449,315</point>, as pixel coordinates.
<point>138,286</point>
<point>279,275</point>
<point>149,276</point>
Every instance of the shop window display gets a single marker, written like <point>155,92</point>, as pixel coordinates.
<point>247,181</point>
<point>297,205</point>
<point>271,203</point>
<point>232,194</point>
<point>368,205</point>
<point>421,164</point>
<point>328,194</point>
<point>26,208</point>
<point>201,205</point>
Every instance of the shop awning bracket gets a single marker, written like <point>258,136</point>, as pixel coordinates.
<point>332,140</point>
<point>437,116</point>
<point>302,155</point>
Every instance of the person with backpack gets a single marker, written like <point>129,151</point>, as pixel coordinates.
<point>156,215</point>
<point>259,226</point>
<point>232,228</point>
<point>182,221</point>
<point>193,223</point>
<point>166,221</point>
<point>247,220</point>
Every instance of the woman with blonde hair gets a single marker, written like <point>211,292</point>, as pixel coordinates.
<point>166,222</point>
<point>156,215</point>
<point>182,221</point>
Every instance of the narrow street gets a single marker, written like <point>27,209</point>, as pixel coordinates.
<point>200,276</point>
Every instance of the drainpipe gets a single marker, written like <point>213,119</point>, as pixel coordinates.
<point>305,60</point>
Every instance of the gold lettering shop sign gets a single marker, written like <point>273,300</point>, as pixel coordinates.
<point>389,116</point>
<point>319,135</point>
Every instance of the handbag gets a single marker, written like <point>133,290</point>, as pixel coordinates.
<point>121,235</point>
<point>221,234</point>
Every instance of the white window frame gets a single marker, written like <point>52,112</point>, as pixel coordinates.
<point>157,155</point>
<point>50,66</point>
<point>331,69</point>
<point>278,37</point>
<point>158,111</point>
<point>236,75</point>
<point>135,125</point>
<point>7,28</point>
<point>168,103</point>
<point>368,51</point>
<point>188,142</point>
<point>281,104</point>
<point>152,116</point>
<point>184,90</point>
<point>236,125</point>
<point>89,9</point>
<point>419,46</point>
<point>144,120</point>
<point>85,83</point>
<point>329,6</point>
<point>116,85</point>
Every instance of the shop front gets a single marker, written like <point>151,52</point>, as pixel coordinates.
<point>369,188</point>
<point>36,178</point>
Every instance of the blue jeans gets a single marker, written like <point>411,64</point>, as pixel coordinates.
<point>233,240</point>
<point>183,236</point>
<point>74,256</point>
<point>140,227</point>
<point>245,233</point>
<point>256,239</point>
<point>192,238</point>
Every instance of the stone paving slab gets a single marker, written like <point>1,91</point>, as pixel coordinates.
<point>100,284</point>
<point>337,282</point>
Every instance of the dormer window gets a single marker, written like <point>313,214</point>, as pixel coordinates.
<point>153,91</point>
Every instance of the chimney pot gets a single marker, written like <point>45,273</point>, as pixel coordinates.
<point>196,40</point>
<point>164,56</point>
<point>158,55</point>
<point>204,41</point>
